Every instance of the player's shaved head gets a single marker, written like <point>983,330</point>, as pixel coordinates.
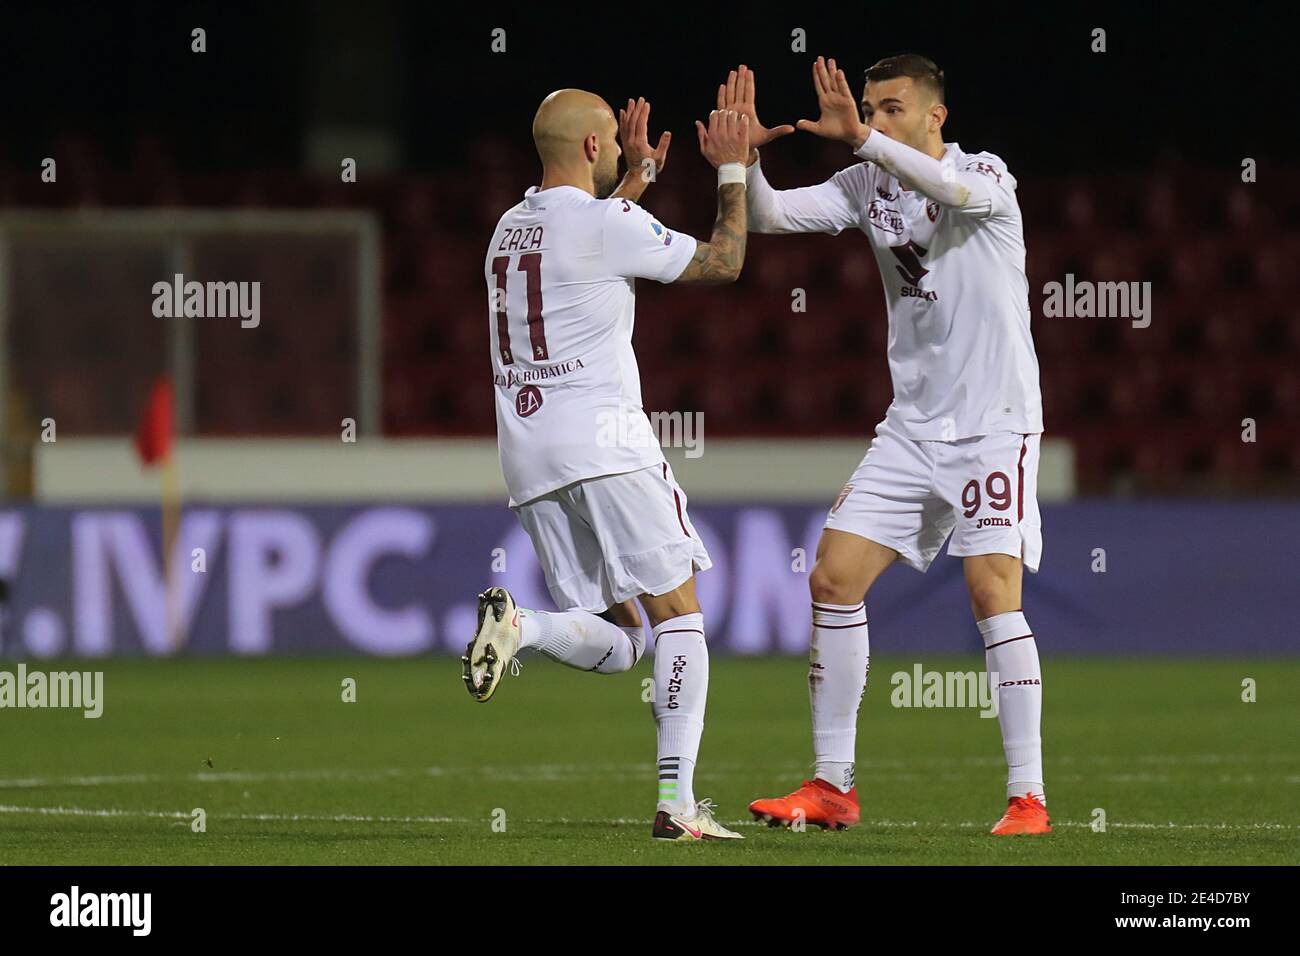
<point>565,119</point>
<point>562,128</point>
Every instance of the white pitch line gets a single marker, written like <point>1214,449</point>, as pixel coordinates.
<point>258,817</point>
<point>615,821</point>
<point>522,772</point>
<point>576,771</point>
<point>232,776</point>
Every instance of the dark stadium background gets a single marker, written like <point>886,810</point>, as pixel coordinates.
<point>1128,163</point>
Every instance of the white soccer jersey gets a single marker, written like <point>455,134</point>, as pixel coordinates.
<point>560,275</point>
<point>952,259</point>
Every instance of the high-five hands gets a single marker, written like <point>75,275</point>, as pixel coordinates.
<point>738,94</point>
<point>839,118</point>
<point>726,138</point>
<point>633,123</point>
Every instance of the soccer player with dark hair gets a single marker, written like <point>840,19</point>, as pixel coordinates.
<point>957,451</point>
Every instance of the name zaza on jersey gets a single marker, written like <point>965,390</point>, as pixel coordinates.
<point>527,237</point>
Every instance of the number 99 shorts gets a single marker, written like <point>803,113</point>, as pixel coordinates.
<point>910,495</point>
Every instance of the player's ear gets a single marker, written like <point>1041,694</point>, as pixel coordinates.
<point>591,147</point>
<point>938,114</point>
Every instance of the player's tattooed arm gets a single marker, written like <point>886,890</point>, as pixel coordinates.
<point>630,187</point>
<point>644,162</point>
<point>721,258</point>
<point>724,142</point>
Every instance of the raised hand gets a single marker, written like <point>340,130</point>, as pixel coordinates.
<point>839,118</point>
<point>726,138</point>
<point>738,94</point>
<point>633,130</point>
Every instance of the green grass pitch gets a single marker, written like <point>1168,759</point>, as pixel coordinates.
<point>415,772</point>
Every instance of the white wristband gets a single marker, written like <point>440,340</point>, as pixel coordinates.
<point>731,173</point>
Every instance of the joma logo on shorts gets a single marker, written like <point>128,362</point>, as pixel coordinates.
<point>993,523</point>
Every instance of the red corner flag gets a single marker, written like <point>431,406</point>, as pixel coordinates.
<point>153,439</point>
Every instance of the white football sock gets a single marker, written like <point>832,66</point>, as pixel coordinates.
<point>1011,654</point>
<point>581,640</point>
<point>681,689</point>
<point>839,659</point>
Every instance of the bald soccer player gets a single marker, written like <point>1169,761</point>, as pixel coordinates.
<point>585,474</point>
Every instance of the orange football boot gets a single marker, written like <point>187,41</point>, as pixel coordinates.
<point>1024,815</point>
<point>821,803</point>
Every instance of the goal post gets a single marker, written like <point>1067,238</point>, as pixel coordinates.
<point>81,335</point>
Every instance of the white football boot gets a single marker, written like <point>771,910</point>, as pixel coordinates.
<point>698,826</point>
<point>494,646</point>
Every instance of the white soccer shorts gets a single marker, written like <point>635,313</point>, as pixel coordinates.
<point>606,540</point>
<point>910,495</point>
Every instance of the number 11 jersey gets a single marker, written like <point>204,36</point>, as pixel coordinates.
<point>561,271</point>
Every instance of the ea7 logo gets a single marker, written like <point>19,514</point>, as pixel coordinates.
<point>103,909</point>
<point>993,523</point>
